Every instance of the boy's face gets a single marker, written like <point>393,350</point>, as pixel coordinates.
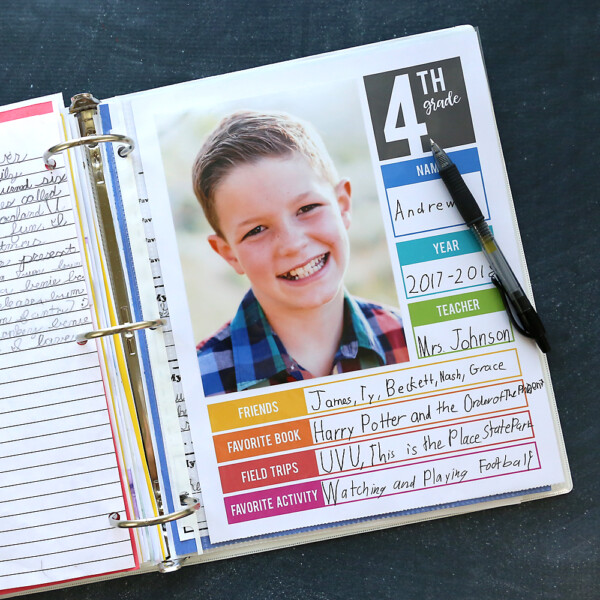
<point>285,227</point>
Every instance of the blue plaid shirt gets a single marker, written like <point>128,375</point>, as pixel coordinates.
<point>246,353</point>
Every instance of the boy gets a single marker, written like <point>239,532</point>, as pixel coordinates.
<point>280,215</point>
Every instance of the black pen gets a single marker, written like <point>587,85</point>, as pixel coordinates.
<point>519,309</point>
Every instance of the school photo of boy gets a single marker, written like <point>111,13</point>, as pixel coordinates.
<point>280,215</point>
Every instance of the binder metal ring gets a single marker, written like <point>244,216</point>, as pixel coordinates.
<point>191,506</point>
<point>171,565</point>
<point>90,140</point>
<point>126,328</point>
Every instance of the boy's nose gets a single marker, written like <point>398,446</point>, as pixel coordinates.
<point>290,239</point>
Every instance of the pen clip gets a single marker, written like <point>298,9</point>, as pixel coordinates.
<point>509,308</point>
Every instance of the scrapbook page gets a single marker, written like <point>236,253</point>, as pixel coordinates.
<point>342,350</point>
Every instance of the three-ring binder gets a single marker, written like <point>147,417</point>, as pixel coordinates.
<point>84,106</point>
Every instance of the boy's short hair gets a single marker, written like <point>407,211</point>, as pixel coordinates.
<point>245,137</point>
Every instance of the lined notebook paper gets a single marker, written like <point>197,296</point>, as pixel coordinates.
<point>59,475</point>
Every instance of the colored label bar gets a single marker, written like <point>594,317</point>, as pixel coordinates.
<point>33,110</point>
<point>460,306</point>
<point>262,440</point>
<point>425,169</point>
<point>436,247</point>
<point>256,410</point>
<point>270,503</point>
<point>272,470</point>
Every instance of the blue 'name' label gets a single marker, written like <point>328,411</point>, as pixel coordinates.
<point>425,169</point>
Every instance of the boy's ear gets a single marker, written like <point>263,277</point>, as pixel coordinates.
<point>223,249</point>
<point>343,191</point>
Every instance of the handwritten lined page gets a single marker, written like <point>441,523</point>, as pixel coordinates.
<point>59,475</point>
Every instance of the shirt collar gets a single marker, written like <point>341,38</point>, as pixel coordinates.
<point>357,333</point>
<point>259,355</point>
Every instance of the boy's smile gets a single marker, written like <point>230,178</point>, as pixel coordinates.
<point>307,269</point>
<point>285,227</point>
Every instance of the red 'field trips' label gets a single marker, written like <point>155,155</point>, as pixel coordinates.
<point>272,470</point>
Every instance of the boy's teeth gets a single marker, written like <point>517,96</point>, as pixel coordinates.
<point>308,269</point>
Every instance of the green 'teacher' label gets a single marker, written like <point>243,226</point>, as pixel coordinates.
<point>461,306</point>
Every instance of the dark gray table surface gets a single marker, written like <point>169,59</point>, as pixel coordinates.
<point>542,60</point>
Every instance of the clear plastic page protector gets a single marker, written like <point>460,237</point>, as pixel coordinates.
<point>60,471</point>
<point>139,228</point>
<point>168,441</point>
<point>469,413</point>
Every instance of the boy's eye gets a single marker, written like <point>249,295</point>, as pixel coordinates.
<point>253,231</point>
<point>308,208</point>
